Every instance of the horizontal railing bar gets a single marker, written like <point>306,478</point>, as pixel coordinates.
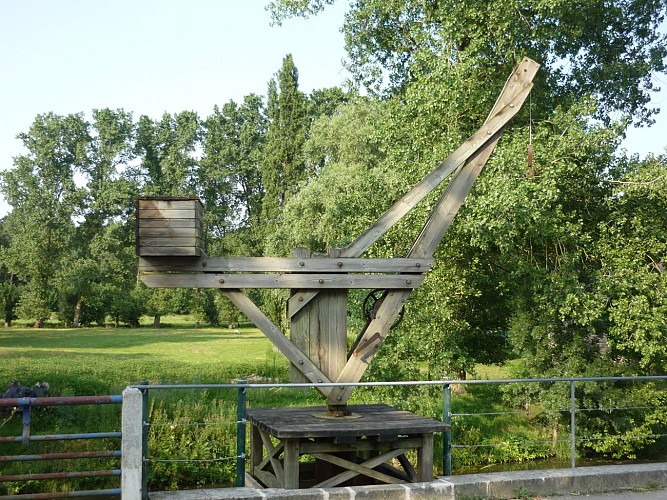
<point>62,437</point>
<point>62,401</point>
<point>400,383</point>
<point>66,494</point>
<point>61,475</point>
<point>60,456</point>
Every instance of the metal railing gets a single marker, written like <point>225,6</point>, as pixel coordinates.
<point>25,406</point>
<point>135,421</point>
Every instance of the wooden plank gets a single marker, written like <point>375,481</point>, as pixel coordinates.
<point>170,251</point>
<point>294,355</point>
<point>514,93</point>
<point>289,264</point>
<point>308,447</point>
<point>148,223</point>
<point>425,459</point>
<point>300,325</point>
<point>372,420</point>
<point>410,472</point>
<point>169,204</point>
<point>291,464</point>
<point>170,232</point>
<point>268,479</point>
<point>332,339</point>
<point>168,214</point>
<point>171,242</point>
<point>299,300</point>
<point>314,281</point>
<point>256,449</point>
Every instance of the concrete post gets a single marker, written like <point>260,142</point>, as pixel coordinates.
<point>132,444</point>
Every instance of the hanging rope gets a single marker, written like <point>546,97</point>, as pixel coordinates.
<point>531,172</point>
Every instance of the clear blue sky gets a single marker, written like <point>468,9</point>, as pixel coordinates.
<point>156,56</point>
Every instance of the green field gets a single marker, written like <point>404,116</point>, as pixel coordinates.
<point>98,361</point>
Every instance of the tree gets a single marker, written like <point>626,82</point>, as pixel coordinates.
<point>229,175</point>
<point>9,286</point>
<point>45,199</point>
<point>167,151</point>
<point>107,201</point>
<point>607,50</point>
<point>283,167</point>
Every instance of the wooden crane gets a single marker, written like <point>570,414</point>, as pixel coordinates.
<point>171,254</point>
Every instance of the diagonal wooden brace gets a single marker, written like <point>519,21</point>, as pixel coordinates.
<point>434,230</point>
<point>299,359</point>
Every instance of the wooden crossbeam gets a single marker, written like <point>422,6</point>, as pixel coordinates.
<point>301,281</point>
<point>284,265</point>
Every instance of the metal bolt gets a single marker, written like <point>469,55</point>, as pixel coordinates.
<point>339,264</point>
<point>301,361</point>
<point>511,105</point>
<point>319,380</point>
<point>221,281</point>
<point>418,264</point>
<point>339,398</point>
<point>302,263</point>
<point>300,299</point>
<point>321,280</point>
<point>204,264</point>
<point>408,281</point>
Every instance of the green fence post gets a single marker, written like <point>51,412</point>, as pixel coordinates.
<point>240,435</point>
<point>447,435</point>
<point>573,432</point>
<point>144,441</point>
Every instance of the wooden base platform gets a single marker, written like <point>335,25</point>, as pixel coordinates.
<point>356,449</point>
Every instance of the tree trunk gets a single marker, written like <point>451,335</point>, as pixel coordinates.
<point>117,321</point>
<point>38,324</point>
<point>77,312</point>
<point>156,321</point>
<point>8,323</point>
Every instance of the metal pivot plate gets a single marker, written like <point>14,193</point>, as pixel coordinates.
<point>372,304</point>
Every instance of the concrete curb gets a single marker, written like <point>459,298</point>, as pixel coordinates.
<point>496,485</point>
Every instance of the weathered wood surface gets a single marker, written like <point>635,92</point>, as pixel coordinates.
<point>286,264</point>
<point>373,420</point>
<point>169,227</point>
<point>314,281</point>
<point>379,433</point>
<point>320,330</point>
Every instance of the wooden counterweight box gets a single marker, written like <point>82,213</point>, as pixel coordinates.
<point>168,227</point>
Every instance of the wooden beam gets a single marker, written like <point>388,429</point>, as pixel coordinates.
<point>273,333</point>
<point>285,265</point>
<point>301,281</point>
<point>518,86</point>
<point>508,106</point>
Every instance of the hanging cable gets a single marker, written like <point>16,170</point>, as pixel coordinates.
<point>531,172</point>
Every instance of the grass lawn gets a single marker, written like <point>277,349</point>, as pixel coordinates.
<point>98,360</point>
